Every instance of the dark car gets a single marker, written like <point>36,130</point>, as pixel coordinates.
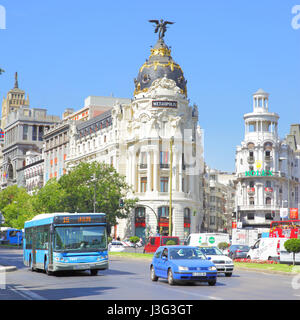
<point>238,251</point>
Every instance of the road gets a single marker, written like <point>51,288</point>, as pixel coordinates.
<point>128,279</point>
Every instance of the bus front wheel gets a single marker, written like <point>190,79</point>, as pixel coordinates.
<point>46,267</point>
<point>94,272</point>
<point>30,264</point>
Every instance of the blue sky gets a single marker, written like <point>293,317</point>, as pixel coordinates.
<point>67,50</point>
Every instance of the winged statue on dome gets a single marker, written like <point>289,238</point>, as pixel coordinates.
<point>161,27</point>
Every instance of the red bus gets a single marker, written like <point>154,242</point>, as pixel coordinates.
<point>285,229</point>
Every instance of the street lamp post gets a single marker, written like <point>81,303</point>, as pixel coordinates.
<point>94,198</point>
<point>171,180</point>
<point>288,178</point>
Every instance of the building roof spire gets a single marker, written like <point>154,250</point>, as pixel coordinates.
<point>16,81</point>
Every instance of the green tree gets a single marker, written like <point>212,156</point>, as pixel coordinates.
<point>16,206</point>
<point>292,246</point>
<point>50,198</point>
<point>223,245</point>
<point>96,187</point>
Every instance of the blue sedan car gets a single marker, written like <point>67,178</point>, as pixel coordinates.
<point>182,263</point>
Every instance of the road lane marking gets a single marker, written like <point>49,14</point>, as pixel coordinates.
<point>25,293</point>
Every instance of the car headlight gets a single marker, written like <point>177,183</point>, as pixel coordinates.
<point>229,262</point>
<point>180,268</point>
<point>212,268</point>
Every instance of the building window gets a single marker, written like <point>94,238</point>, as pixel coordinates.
<point>212,220</point>
<point>34,133</point>
<point>268,201</point>
<point>25,132</point>
<point>251,201</point>
<point>143,160</point>
<point>164,184</point>
<point>143,184</point>
<point>163,212</point>
<point>268,184</point>
<point>164,159</point>
<point>250,216</point>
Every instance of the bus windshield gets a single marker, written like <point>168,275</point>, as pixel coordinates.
<point>80,238</point>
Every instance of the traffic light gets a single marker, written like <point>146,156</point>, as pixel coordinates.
<point>121,203</point>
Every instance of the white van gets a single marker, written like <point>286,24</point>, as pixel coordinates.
<point>272,249</point>
<point>207,239</point>
<point>267,249</point>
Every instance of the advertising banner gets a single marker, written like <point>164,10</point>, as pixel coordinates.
<point>294,213</point>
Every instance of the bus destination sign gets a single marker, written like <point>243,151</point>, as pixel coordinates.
<point>164,104</point>
<point>79,219</point>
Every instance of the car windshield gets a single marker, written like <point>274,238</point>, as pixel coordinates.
<point>186,253</point>
<point>211,251</point>
<point>80,238</point>
<point>241,248</point>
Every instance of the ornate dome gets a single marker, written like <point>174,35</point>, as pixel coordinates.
<point>159,65</point>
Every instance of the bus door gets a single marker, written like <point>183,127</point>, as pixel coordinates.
<point>51,244</point>
<point>33,255</point>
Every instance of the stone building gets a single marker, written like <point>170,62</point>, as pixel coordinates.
<point>24,132</point>
<point>156,142</point>
<point>267,168</point>
<point>15,99</point>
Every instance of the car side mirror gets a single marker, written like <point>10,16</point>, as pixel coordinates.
<point>208,258</point>
<point>164,258</point>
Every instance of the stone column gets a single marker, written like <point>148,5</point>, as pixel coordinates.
<point>149,170</point>
<point>155,168</point>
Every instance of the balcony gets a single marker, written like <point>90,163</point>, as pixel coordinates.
<point>250,159</point>
<point>268,158</point>
<point>251,191</point>
<point>143,166</point>
<point>269,190</point>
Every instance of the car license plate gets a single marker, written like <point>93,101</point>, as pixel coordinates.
<point>199,274</point>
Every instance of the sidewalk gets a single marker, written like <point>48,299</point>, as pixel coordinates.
<point>7,268</point>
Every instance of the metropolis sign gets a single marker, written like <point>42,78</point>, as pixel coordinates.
<point>164,104</point>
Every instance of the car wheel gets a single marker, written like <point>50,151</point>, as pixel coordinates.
<point>212,282</point>
<point>153,275</point>
<point>228,274</point>
<point>248,257</point>
<point>171,280</point>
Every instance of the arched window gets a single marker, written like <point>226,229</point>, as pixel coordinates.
<point>268,201</point>
<point>139,215</point>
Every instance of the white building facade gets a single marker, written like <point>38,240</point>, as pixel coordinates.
<point>156,142</point>
<point>267,169</point>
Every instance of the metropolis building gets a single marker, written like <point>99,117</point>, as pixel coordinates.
<point>154,140</point>
<point>267,168</point>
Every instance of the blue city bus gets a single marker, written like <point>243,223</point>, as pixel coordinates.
<point>66,241</point>
<point>11,236</point>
